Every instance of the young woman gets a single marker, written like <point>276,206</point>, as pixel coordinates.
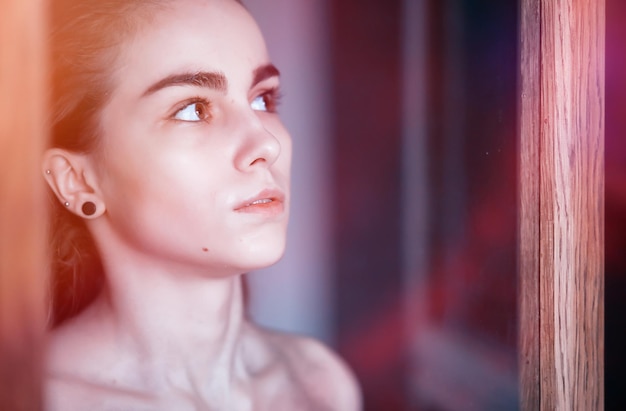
<point>168,151</point>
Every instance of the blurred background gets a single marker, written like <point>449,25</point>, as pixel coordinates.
<point>402,241</point>
<point>402,248</point>
<point>615,251</point>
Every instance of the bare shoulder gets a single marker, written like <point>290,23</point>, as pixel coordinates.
<point>81,373</point>
<point>80,348</point>
<point>76,388</point>
<point>321,371</point>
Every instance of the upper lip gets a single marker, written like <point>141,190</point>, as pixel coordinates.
<point>266,194</point>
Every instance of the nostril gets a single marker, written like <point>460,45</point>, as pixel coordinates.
<point>257,161</point>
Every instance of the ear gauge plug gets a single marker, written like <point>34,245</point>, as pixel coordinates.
<point>88,208</point>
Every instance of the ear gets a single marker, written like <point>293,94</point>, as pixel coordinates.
<point>72,179</point>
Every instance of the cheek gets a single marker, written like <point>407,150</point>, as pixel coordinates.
<point>167,216</point>
<point>163,182</point>
<point>145,187</point>
<point>172,197</point>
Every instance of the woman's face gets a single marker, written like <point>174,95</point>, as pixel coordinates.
<point>194,163</point>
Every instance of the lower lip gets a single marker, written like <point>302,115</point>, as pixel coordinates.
<point>270,209</point>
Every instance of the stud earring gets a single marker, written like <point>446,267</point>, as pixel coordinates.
<point>66,204</point>
<point>48,171</point>
<point>88,208</point>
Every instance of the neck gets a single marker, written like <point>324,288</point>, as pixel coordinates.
<point>181,327</point>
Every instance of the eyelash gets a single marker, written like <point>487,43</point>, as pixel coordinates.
<point>274,98</point>
<point>206,104</point>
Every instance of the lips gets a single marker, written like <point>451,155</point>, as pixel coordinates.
<point>269,201</point>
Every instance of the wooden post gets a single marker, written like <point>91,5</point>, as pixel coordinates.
<point>528,271</point>
<point>22,203</point>
<point>562,205</point>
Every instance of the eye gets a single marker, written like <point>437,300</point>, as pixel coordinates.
<point>195,111</point>
<point>267,101</point>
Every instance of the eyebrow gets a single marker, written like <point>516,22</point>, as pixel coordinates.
<point>213,80</point>
<point>263,73</point>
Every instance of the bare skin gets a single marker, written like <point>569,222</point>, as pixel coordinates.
<point>191,186</point>
<point>259,370</point>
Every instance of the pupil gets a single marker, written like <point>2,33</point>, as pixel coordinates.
<point>200,110</point>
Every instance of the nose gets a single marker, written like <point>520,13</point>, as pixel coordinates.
<point>259,148</point>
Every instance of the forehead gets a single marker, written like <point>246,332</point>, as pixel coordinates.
<point>193,35</point>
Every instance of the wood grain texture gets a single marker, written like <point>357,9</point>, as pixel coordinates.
<point>571,206</point>
<point>572,202</point>
<point>528,259</point>
<point>22,204</point>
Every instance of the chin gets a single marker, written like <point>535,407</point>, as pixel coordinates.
<point>263,254</point>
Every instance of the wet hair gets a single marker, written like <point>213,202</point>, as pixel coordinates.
<point>85,41</point>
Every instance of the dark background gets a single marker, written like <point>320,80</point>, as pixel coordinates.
<point>615,280</point>
<point>472,63</point>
